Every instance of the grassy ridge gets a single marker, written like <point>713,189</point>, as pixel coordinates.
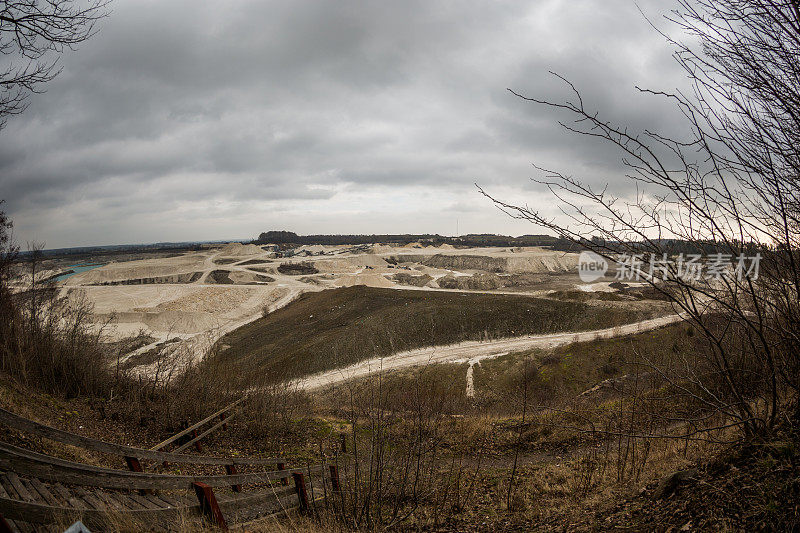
<point>560,375</point>
<point>337,327</point>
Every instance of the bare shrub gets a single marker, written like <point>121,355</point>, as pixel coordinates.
<point>404,459</point>
<point>730,189</point>
<point>46,341</point>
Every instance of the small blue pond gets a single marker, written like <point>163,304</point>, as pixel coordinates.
<point>78,268</point>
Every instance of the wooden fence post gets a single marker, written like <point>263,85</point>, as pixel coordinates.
<point>133,464</point>
<point>209,505</point>
<point>231,471</point>
<point>223,416</point>
<point>197,442</point>
<point>300,488</point>
<point>284,480</point>
<point>335,479</point>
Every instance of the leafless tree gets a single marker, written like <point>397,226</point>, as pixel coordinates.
<point>731,189</point>
<point>8,250</point>
<point>32,32</point>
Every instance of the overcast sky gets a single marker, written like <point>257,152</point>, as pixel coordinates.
<point>186,120</point>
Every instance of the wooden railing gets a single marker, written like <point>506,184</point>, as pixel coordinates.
<point>143,496</point>
<point>19,423</point>
<point>224,415</point>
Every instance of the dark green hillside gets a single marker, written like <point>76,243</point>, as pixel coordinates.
<point>337,327</point>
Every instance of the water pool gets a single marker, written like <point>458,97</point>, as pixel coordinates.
<point>78,268</point>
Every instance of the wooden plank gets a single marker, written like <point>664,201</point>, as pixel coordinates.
<point>278,506</point>
<point>201,435</point>
<point>243,500</point>
<point>58,470</point>
<point>143,501</point>
<point>8,522</point>
<point>68,497</point>
<point>93,501</point>
<point>9,488</point>
<point>267,501</point>
<point>21,525</point>
<point>126,501</point>
<point>242,507</point>
<point>32,491</point>
<point>37,513</point>
<point>110,502</point>
<point>157,500</point>
<point>29,426</point>
<point>188,430</point>
<point>45,493</point>
<point>19,487</point>
<point>174,501</point>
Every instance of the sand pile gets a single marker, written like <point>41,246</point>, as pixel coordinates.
<point>467,262</point>
<point>533,261</point>
<point>480,281</point>
<point>334,265</point>
<point>545,262</point>
<point>240,277</point>
<point>368,260</point>
<point>302,268</point>
<point>409,258</point>
<point>169,321</point>
<point>141,269</point>
<point>370,280</point>
<point>209,300</point>
<point>180,321</point>
<point>187,277</point>
<point>350,264</point>
<point>405,278</point>
<point>41,276</point>
<point>237,249</point>
<point>382,249</point>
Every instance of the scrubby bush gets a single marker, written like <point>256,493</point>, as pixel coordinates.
<point>297,269</point>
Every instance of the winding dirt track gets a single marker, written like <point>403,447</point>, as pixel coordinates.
<point>473,351</point>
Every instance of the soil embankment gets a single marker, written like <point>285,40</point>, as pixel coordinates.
<point>473,350</point>
<point>188,277</point>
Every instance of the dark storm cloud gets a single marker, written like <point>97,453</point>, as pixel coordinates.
<point>208,120</point>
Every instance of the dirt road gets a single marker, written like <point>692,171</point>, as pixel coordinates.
<point>473,351</point>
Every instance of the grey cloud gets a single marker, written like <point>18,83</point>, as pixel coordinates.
<point>261,107</point>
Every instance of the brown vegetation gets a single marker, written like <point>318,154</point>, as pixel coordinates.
<point>334,328</point>
<point>730,189</point>
<point>297,269</point>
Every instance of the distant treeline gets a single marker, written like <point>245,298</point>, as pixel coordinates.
<point>117,249</point>
<point>289,237</point>
<point>671,246</point>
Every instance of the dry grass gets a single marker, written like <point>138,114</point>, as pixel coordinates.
<point>334,328</point>
<point>530,451</point>
<point>558,376</point>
